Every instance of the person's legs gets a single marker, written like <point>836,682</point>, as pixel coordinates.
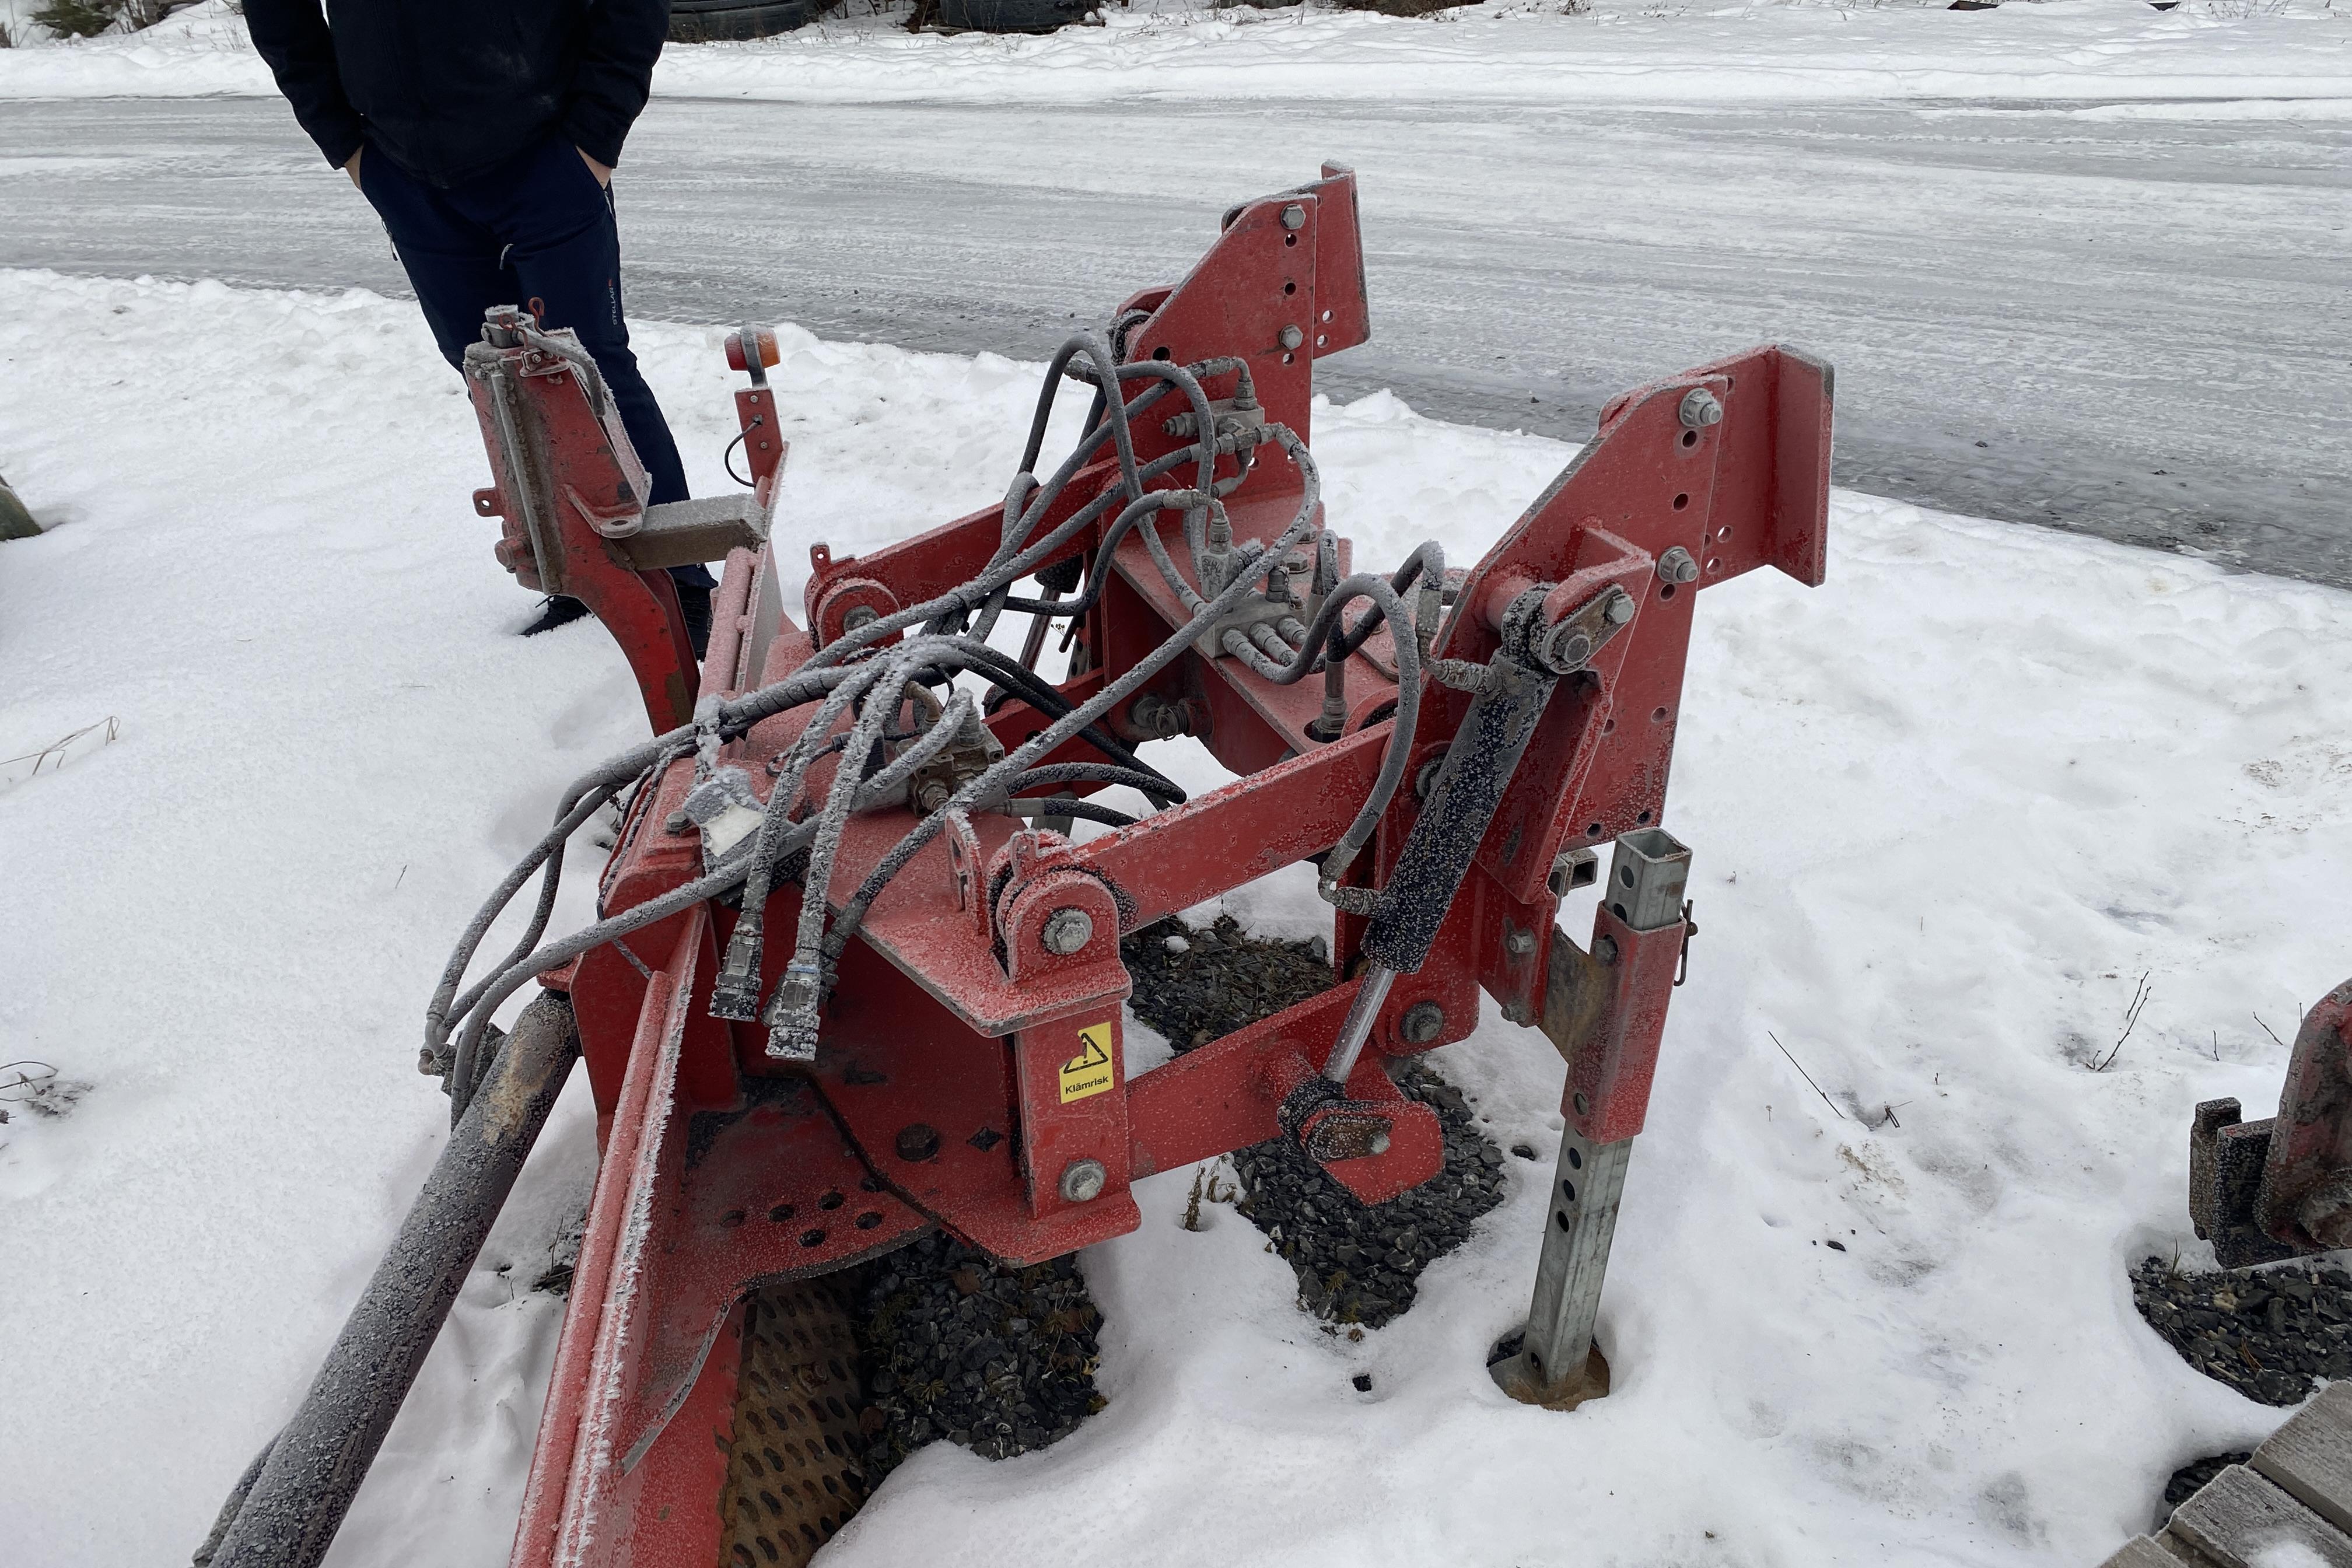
<point>540,230</point>
<point>564,249</point>
<point>452,262</point>
<point>456,267</point>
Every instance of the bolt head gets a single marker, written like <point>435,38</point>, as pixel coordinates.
<point>1569,650</point>
<point>1067,931</point>
<point>1294,217</point>
<point>1519,943</point>
<point>1699,409</point>
<point>1083,1181</point>
<point>1423,1022</point>
<point>1605,949</point>
<point>1292,337</point>
<point>1676,566</point>
<point>1620,608</point>
<point>858,616</point>
<point>918,1140</point>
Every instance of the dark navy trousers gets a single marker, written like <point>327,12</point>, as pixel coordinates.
<point>539,227</point>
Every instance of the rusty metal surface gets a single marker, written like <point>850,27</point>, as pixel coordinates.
<point>793,1471</point>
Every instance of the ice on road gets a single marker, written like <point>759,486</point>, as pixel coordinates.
<point>2080,264</point>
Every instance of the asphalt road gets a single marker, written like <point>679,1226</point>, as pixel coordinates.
<point>2133,327</point>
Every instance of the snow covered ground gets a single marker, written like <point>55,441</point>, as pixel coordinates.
<point>1947,811</point>
<point>1646,51</point>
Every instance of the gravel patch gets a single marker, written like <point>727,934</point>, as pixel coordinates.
<point>1359,1264</point>
<point>1198,984</point>
<point>1355,1264</point>
<point>2274,1336</point>
<point>1002,1360</point>
<point>999,1360</point>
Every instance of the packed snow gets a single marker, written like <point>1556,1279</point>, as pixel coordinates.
<point>1948,812</point>
<point>2263,58</point>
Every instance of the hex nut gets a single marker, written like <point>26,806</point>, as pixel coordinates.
<point>1519,943</point>
<point>1700,409</point>
<point>1604,949</point>
<point>934,796</point>
<point>1620,608</point>
<point>1294,217</point>
<point>1067,931</point>
<point>1292,337</point>
<point>1423,1022</point>
<point>918,1140</point>
<point>1676,566</point>
<point>1083,1181</point>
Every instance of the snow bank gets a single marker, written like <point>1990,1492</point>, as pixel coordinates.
<point>1947,811</point>
<point>1747,51</point>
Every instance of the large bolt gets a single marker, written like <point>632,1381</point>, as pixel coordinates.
<point>1294,217</point>
<point>1700,409</point>
<point>918,1140</point>
<point>858,616</point>
<point>1620,608</point>
<point>1067,931</point>
<point>1676,566</point>
<point>1083,1181</point>
<point>1423,1022</point>
<point>1567,649</point>
<point>1292,337</point>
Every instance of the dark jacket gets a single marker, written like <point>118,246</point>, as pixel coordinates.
<point>450,89</point>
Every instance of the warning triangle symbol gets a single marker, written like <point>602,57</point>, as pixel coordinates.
<point>1094,1056</point>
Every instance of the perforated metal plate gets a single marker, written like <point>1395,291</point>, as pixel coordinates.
<point>795,1475</point>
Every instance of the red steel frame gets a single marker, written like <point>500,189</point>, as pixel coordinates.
<point>937,1096</point>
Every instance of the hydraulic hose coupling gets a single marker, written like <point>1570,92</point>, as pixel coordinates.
<point>735,995</point>
<point>791,1016</point>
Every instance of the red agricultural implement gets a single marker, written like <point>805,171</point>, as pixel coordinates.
<point>856,974</point>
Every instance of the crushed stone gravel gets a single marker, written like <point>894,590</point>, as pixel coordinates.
<point>1355,1264</point>
<point>2271,1335</point>
<point>998,1359</point>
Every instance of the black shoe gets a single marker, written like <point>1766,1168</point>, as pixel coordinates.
<point>694,603</point>
<point>556,610</point>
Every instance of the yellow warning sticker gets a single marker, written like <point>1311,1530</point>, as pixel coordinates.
<point>1089,1072</point>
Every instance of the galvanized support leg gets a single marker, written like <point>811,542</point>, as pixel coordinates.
<point>1559,1365</point>
<point>1606,1012</point>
